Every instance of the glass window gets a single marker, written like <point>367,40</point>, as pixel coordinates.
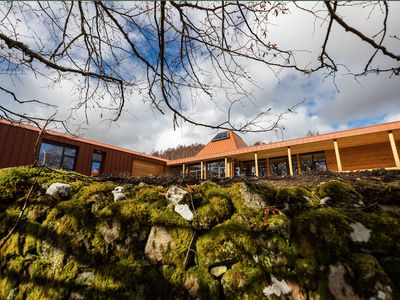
<point>221,136</point>
<point>279,166</point>
<point>97,163</point>
<point>216,169</point>
<point>194,171</point>
<point>57,156</point>
<point>313,162</point>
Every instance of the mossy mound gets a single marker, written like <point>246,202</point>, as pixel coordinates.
<point>245,241</point>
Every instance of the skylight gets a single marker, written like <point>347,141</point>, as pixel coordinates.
<point>221,136</point>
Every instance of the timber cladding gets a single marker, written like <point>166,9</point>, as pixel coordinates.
<point>371,156</point>
<point>145,168</point>
<point>17,144</point>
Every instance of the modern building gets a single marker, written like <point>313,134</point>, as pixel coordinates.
<point>226,155</point>
<point>20,142</point>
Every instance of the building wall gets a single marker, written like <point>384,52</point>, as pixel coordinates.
<point>144,168</point>
<point>17,149</point>
<point>371,156</point>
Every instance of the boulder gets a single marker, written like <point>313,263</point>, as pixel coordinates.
<point>250,198</point>
<point>360,232</point>
<point>339,288</point>
<point>192,285</point>
<point>184,211</point>
<point>158,243</point>
<point>278,288</point>
<point>110,233</point>
<point>118,193</point>
<point>218,271</point>
<point>57,189</point>
<point>175,195</point>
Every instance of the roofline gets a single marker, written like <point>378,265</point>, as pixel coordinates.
<point>82,140</point>
<point>297,141</point>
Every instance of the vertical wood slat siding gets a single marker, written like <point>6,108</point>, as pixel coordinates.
<point>371,156</point>
<point>17,148</point>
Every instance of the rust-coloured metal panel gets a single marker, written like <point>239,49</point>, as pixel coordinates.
<point>17,144</point>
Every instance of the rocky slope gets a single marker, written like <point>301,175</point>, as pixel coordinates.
<point>243,241</point>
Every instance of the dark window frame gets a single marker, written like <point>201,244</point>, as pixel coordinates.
<point>102,162</point>
<point>63,155</point>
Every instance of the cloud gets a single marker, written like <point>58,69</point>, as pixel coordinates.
<point>329,105</point>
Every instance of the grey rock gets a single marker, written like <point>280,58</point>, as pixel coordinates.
<point>158,243</point>
<point>118,193</point>
<point>251,199</point>
<point>175,195</point>
<point>110,233</point>
<point>218,271</point>
<point>360,232</point>
<point>278,287</point>
<point>337,284</point>
<point>184,211</point>
<point>192,285</point>
<point>85,278</point>
<point>59,189</point>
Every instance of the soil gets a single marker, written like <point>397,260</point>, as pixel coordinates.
<point>306,179</point>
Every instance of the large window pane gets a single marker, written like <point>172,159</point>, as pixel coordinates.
<point>279,166</point>
<point>97,163</point>
<point>57,156</point>
<point>216,169</point>
<point>313,162</point>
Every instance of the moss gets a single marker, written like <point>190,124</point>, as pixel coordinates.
<point>306,270</point>
<point>181,239</point>
<point>278,224</point>
<point>252,218</point>
<point>215,211</point>
<point>149,193</point>
<point>295,200</point>
<point>382,192</point>
<point>340,193</point>
<point>13,246</point>
<point>14,182</point>
<point>127,211</point>
<point>209,287</point>
<point>210,189</point>
<point>30,245</point>
<point>325,231</point>
<point>385,231</point>
<point>369,274</point>
<point>117,278</point>
<point>243,281</point>
<point>226,242</point>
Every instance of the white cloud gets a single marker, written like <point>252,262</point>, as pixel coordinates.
<point>326,109</point>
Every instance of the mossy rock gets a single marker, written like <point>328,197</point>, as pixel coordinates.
<point>323,232</point>
<point>294,200</point>
<point>385,232</point>
<point>149,193</point>
<point>341,194</point>
<point>382,192</point>
<point>370,276</point>
<point>225,243</point>
<point>200,284</point>
<point>306,270</point>
<point>216,210</point>
<point>243,281</point>
<point>250,217</point>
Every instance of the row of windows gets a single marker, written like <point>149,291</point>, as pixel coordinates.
<point>61,156</point>
<point>277,166</point>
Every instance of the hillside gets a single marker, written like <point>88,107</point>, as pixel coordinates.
<point>243,240</point>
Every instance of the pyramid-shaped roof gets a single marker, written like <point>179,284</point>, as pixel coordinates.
<point>223,142</point>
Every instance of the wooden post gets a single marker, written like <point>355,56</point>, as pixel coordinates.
<point>394,149</point>
<point>205,170</point>
<point>256,163</point>
<point>298,164</point>
<point>337,154</point>
<point>268,166</point>
<point>226,167</point>
<point>290,161</point>
<point>183,170</point>
<point>201,170</point>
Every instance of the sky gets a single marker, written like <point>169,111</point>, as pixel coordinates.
<point>330,104</point>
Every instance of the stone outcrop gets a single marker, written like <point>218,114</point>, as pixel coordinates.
<point>252,240</point>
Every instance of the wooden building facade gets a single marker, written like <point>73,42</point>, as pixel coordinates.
<point>18,142</point>
<point>227,155</point>
<point>370,147</point>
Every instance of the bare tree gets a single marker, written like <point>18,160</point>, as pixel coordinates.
<point>170,53</point>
